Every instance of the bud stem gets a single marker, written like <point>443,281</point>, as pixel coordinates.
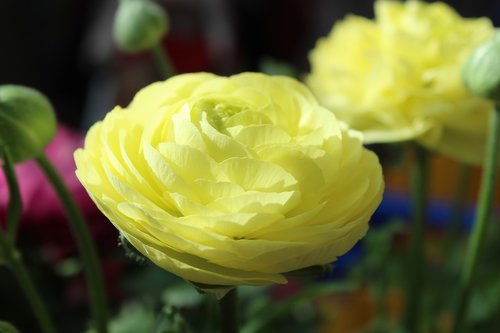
<point>414,289</point>
<point>15,202</point>
<point>477,237</point>
<point>163,61</point>
<point>85,244</point>
<point>229,312</point>
<point>15,263</point>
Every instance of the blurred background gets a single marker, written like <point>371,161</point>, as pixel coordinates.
<point>65,49</point>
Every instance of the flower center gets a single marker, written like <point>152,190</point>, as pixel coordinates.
<point>218,113</point>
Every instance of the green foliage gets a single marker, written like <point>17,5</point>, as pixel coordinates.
<point>6,327</point>
<point>133,318</point>
<point>171,320</point>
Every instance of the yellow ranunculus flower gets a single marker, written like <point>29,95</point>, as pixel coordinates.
<point>231,180</point>
<point>397,77</point>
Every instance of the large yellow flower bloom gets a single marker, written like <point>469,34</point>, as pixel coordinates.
<point>397,77</point>
<point>231,180</point>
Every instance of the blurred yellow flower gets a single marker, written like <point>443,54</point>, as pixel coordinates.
<point>231,180</point>
<point>397,77</point>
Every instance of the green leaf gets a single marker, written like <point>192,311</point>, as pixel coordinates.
<point>6,327</point>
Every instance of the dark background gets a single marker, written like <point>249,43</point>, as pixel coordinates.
<point>64,48</point>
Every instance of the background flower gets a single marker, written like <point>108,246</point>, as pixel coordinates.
<point>227,181</point>
<point>397,77</point>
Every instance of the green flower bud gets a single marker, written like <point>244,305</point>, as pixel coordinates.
<point>139,25</point>
<point>27,121</point>
<point>481,72</point>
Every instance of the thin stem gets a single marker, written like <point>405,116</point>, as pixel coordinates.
<point>229,312</point>
<point>416,269</point>
<point>457,208</point>
<point>163,61</point>
<point>15,263</point>
<point>85,244</point>
<point>477,237</point>
<point>15,202</point>
<point>460,197</point>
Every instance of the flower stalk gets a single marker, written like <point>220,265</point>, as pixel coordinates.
<point>163,61</point>
<point>229,312</point>
<point>15,263</point>
<point>459,201</point>
<point>87,249</point>
<point>415,284</point>
<point>477,238</point>
<point>15,202</point>
<point>10,256</point>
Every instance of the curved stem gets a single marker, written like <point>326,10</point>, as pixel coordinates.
<point>229,312</point>
<point>15,263</point>
<point>15,202</point>
<point>86,246</point>
<point>163,61</point>
<point>477,238</point>
<point>414,289</point>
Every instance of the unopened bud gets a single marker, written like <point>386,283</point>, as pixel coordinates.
<point>139,25</point>
<point>481,72</point>
<point>27,121</point>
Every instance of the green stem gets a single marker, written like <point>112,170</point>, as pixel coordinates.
<point>85,244</point>
<point>15,263</point>
<point>163,61</point>
<point>15,202</point>
<point>460,198</point>
<point>477,237</point>
<point>457,208</point>
<point>415,285</point>
<point>229,312</point>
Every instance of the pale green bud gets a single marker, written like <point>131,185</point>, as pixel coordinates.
<point>481,72</point>
<point>139,25</point>
<point>27,121</point>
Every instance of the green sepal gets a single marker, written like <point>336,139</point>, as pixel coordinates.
<point>131,251</point>
<point>311,271</point>
<point>219,291</point>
